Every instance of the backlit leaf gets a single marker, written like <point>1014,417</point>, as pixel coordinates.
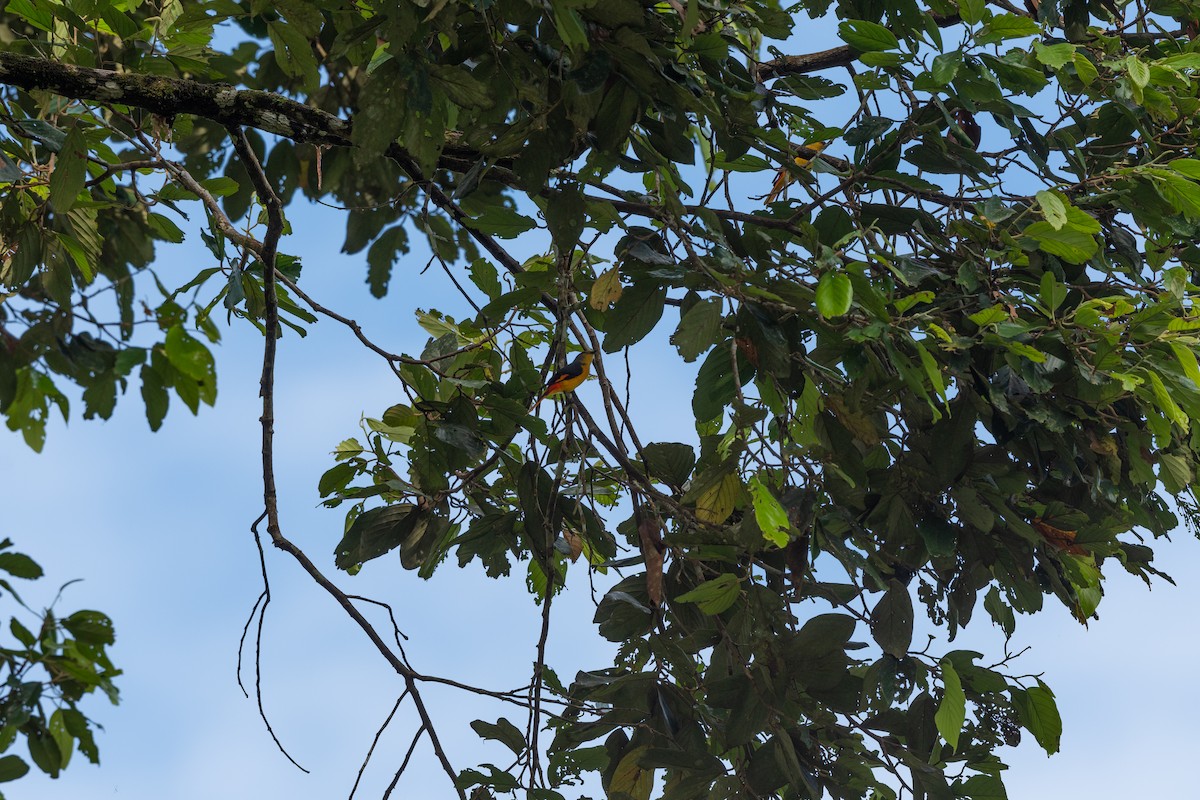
<point>952,711</point>
<point>714,596</point>
<point>834,294</point>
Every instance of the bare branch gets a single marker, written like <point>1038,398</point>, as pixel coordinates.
<point>275,226</point>
<point>375,741</point>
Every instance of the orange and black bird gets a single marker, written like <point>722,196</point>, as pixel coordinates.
<point>570,376</point>
<point>785,176</point>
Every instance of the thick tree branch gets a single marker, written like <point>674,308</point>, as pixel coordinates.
<point>826,59</point>
<point>168,97</point>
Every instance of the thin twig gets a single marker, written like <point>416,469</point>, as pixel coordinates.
<point>375,741</point>
<point>404,763</point>
<point>262,615</point>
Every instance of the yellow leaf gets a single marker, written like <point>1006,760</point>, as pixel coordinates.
<point>715,504</point>
<point>606,290</point>
<point>630,778</point>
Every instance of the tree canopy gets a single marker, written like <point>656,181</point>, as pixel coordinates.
<point>936,279</point>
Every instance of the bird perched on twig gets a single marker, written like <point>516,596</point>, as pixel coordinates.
<point>785,176</point>
<point>568,377</point>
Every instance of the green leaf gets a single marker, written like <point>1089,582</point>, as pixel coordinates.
<point>189,356</point>
<point>716,500</point>
<point>11,768</point>
<point>381,257</point>
<point>971,11</point>
<point>1006,26</point>
<point>293,53</point>
<point>1000,613</point>
<point>220,186</point>
<point>570,27</point>
<point>565,216</point>
<point>1139,72</point>
<point>630,779</point>
<point>699,328</point>
<point>20,565</point>
<point>714,596</point>
<point>1051,292</point>
<point>1054,208</point>
<point>335,478</point>
<point>1187,362</point>
<point>771,517</point>
<point>164,228</point>
<point>1039,715</point>
<point>982,787</point>
<point>1164,401</point>
<point>1085,69</point>
<point>1068,243</point>
<point>933,370</point>
<point>945,67</point>
<point>64,741</point>
<point>70,171</point>
<point>892,620</point>
<point>716,384</point>
<point>952,711</point>
<point>867,36</point>
<point>825,633</point>
<point>502,731</point>
<point>670,462</point>
<point>634,315</point>
<point>834,294</point>
<point>22,634</point>
<point>1054,55</point>
<point>91,627</point>
<point>461,86</point>
<point>35,14</point>
<point>503,221</point>
<point>989,316</point>
<point>375,532</point>
<point>40,130</point>
<point>1188,167</point>
<point>45,753</point>
<point>155,396</point>
<point>9,171</point>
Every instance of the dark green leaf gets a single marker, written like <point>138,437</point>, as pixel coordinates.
<point>91,627</point>
<point>42,131</point>
<point>20,565</point>
<point>1039,715</point>
<point>670,462</point>
<point>375,532</point>
<point>11,768</point>
<point>634,315</point>
<point>502,221</point>
<point>892,620</point>
<point>502,731</point>
<point>70,171</point>
<point>565,216</point>
<point>698,330</point>
<point>154,394</point>
<point>461,86</point>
